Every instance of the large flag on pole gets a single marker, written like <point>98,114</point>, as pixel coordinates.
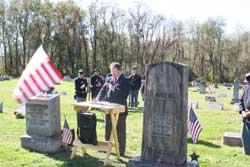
<point>39,75</point>
<point>194,126</point>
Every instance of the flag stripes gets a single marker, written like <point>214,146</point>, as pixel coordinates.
<point>39,75</point>
<point>67,136</point>
<point>194,126</point>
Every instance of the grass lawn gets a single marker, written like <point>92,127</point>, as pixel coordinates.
<point>210,148</point>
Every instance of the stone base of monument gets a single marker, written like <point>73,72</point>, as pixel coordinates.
<point>41,143</point>
<point>137,162</point>
<point>232,139</point>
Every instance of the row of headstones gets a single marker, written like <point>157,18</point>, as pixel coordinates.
<point>4,78</point>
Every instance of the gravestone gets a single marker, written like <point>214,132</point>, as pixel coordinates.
<point>216,86</point>
<point>237,107</point>
<point>193,104</point>
<point>68,78</point>
<point>235,98</point>
<point>165,117</point>
<point>210,98</point>
<point>43,125</point>
<point>221,94</point>
<point>215,106</point>
<point>1,107</point>
<point>232,139</point>
<point>202,86</point>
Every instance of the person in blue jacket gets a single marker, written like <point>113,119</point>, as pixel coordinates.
<point>116,90</point>
<point>245,112</point>
<point>135,85</point>
<point>81,85</point>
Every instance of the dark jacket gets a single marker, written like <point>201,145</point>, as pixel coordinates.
<point>135,82</point>
<point>120,93</point>
<point>81,92</point>
<point>245,101</point>
<point>94,80</point>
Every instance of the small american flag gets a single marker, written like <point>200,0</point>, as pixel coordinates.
<point>194,126</point>
<point>67,136</point>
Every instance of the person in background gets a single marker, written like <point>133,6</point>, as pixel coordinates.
<point>116,90</point>
<point>135,85</point>
<point>80,87</point>
<point>244,110</point>
<point>96,82</point>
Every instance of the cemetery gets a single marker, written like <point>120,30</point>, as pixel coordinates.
<point>124,84</point>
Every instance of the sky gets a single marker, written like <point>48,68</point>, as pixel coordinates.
<point>235,12</point>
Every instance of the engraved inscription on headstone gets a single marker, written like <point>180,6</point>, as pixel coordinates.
<point>165,117</point>
<point>235,98</point>
<point>43,125</point>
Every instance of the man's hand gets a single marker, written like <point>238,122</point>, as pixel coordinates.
<point>83,86</point>
<point>246,114</point>
<point>111,87</point>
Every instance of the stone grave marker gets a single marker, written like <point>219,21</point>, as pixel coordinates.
<point>221,95</point>
<point>202,86</point>
<point>1,106</point>
<point>232,139</point>
<point>210,98</point>
<point>43,125</point>
<point>193,104</point>
<point>165,117</point>
<point>236,89</point>
<point>215,106</point>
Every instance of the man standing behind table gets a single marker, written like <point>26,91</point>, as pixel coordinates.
<point>116,90</point>
<point>135,85</point>
<point>96,82</point>
<point>81,84</point>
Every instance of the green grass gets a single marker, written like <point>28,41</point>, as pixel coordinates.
<point>210,148</point>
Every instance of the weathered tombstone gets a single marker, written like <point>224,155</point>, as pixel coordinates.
<point>193,104</point>
<point>221,94</point>
<point>165,117</point>
<point>210,98</point>
<point>1,107</point>
<point>236,107</point>
<point>232,139</point>
<point>43,125</point>
<point>235,98</point>
<point>67,78</point>
<point>216,86</point>
<point>202,86</point>
<point>215,106</point>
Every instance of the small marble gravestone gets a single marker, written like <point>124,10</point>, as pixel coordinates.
<point>221,94</point>
<point>193,104</point>
<point>215,105</point>
<point>232,139</point>
<point>43,125</point>
<point>164,141</point>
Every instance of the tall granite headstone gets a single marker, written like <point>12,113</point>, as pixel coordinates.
<point>235,98</point>
<point>165,117</point>
<point>202,87</point>
<point>43,124</point>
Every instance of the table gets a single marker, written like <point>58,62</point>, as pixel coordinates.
<point>109,108</point>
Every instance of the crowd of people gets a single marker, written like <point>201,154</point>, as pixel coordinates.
<point>114,88</point>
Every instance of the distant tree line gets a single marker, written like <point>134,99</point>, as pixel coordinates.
<point>75,38</point>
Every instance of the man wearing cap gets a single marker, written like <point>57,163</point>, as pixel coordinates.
<point>80,87</point>
<point>116,90</point>
<point>135,85</point>
<point>96,82</point>
<point>245,112</point>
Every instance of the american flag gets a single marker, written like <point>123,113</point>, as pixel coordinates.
<point>39,75</point>
<point>194,126</point>
<point>67,136</point>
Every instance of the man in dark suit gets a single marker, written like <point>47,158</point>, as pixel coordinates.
<point>116,90</point>
<point>135,85</point>
<point>96,81</point>
<point>81,87</point>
